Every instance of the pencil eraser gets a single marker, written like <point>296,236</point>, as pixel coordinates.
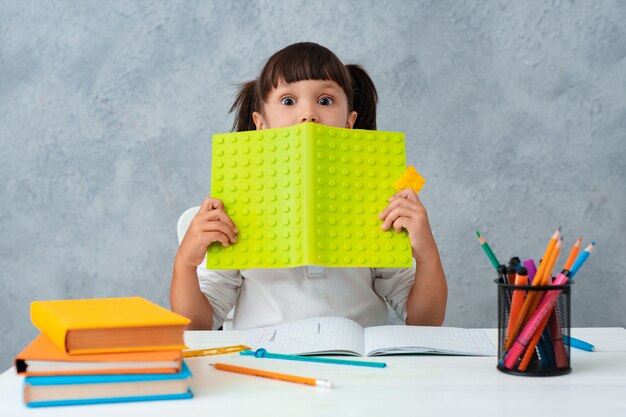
<point>323,383</point>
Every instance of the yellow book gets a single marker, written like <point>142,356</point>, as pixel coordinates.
<point>99,325</point>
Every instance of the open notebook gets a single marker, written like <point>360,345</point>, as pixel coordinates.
<point>337,335</point>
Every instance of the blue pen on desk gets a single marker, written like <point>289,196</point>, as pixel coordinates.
<point>578,344</point>
<point>262,353</point>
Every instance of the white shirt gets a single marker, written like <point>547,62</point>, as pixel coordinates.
<point>264,297</point>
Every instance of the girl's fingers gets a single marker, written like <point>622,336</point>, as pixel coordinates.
<point>220,215</point>
<point>205,205</point>
<point>218,237</point>
<point>213,209</point>
<point>401,223</point>
<point>211,203</point>
<point>395,214</point>
<point>400,202</point>
<point>407,193</point>
<point>218,226</point>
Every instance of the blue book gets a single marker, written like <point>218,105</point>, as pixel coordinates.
<point>46,391</point>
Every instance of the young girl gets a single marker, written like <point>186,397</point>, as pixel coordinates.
<point>306,82</point>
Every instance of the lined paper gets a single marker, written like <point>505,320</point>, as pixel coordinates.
<point>311,336</point>
<point>386,340</point>
<point>337,335</point>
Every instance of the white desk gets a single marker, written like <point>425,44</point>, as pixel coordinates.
<point>409,386</point>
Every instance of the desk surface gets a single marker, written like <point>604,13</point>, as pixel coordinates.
<point>409,386</point>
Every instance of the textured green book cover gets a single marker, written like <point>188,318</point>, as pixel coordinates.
<point>308,195</point>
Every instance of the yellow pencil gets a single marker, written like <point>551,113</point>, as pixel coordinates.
<point>538,280</point>
<point>273,375</point>
<point>547,278</point>
<point>214,351</point>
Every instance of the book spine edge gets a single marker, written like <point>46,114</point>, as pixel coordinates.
<point>44,318</point>
<point>308,146</point>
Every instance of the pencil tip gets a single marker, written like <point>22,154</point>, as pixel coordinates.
<point>477,233</point>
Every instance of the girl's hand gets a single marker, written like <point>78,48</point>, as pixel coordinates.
<point>405,211</point>
<point>211,224</point>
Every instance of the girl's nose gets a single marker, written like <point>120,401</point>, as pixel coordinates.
<point>309,116</point>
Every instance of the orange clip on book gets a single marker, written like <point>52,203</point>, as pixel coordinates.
<point>42,357</point>
<point>102,325</point>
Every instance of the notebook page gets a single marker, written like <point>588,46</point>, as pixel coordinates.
<point>386,340</point>
<point>328,335</point>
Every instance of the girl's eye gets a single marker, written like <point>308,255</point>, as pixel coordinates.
<point>287,101</point>
<point>325,101</point>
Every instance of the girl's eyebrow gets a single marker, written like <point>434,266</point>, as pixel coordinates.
<point>330,85</point>
<point>281,88</point>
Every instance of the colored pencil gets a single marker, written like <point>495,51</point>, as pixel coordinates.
<point>546,279</point>
<point>573,254</point>
<point>488,251</point>
<point>541,315</point>
<point>521,279</point>
<point>528,301</point>
<point>533,327</point>
<point>273,375</point>
<point>262,353</point>
<point>579,344</point>
<point>214,351</point>
<point>580,260</point>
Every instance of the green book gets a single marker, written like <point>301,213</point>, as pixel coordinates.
<point>308,195</point>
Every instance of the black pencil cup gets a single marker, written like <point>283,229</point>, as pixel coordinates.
<point>543,352</point>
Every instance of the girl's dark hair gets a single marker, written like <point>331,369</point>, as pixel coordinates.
<point>307,61</point>
<point>364,98</point>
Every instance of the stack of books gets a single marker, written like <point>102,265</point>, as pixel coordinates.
<point>103,350</point>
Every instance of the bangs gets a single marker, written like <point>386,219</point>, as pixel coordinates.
<point>301,62</point>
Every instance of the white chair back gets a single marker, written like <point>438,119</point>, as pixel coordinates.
<point>183,222</point>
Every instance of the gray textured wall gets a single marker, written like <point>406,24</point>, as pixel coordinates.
<point>515,112</point>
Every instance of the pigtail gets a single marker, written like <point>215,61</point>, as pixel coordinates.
<point>364,98</point>
<point>245,104</point>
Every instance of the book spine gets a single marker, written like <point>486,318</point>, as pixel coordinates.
<point>105,400</point>
<point>49,323</point>
<point>310,207</point>
<point>151,348</point>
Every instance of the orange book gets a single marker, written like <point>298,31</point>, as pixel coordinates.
<point>107,325</point>
<point>42,357</point>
